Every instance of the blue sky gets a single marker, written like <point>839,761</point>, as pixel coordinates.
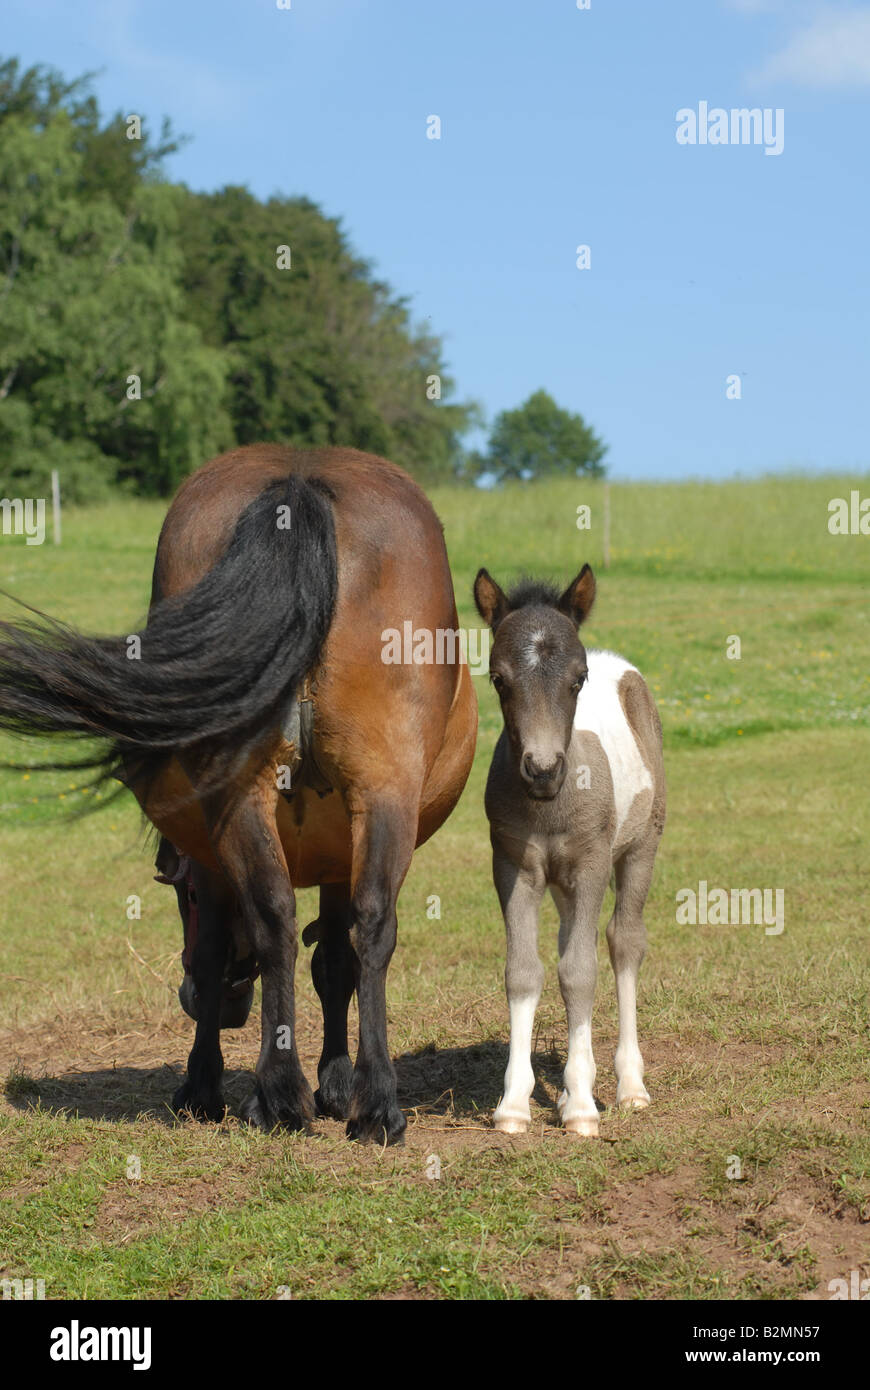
<point>558,129</point>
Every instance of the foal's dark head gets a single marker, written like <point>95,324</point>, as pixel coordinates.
<point>538,666</point>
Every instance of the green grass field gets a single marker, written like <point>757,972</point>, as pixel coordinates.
<point>747,1177</point>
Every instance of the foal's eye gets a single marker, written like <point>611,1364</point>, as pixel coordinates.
<point>578,684</point>
<point>498,683</point>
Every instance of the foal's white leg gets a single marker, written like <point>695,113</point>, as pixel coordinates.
<point>626,938</point>
<point>520,895</point>
<point>579,908</point>
<point>512,1114</point>
<point>631,1093</point>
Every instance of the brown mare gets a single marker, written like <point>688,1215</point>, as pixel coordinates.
<point>277,572</point>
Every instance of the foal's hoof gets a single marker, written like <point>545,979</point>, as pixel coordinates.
<point>584,1125</point>
<point>588,1128</point>
<point>385,1126</point>
<point>634,1103</point>
<point>187,1102</point>
<point>509,1124</point>
<point>635,1099</point>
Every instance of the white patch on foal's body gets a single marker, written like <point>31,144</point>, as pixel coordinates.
<point>599,711</point>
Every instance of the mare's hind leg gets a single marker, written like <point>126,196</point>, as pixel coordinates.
<point>200,1094</point>
<point>383,842</point>
<point>247,845</point>
<point>626,939</point>
<point>332,970</point>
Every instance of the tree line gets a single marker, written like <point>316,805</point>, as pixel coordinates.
<point>145,327</point>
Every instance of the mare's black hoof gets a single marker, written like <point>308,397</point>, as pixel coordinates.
<point>187,998</point>
<point>332,1098</point>
<point>269,1114</point>
<point>385,1125</point>
<point>209,1107</point>
<point>234,1012</point>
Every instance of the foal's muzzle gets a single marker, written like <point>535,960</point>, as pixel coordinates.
<point>543,783</point>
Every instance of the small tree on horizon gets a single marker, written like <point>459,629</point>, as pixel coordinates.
<point>538,439</point>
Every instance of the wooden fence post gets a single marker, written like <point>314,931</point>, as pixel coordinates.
<point>55,504</point>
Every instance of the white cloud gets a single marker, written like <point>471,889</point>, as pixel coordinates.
<point>832,51</point>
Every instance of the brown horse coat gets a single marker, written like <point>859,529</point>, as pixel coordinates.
<point>382,730</point>
<point>278,572</point>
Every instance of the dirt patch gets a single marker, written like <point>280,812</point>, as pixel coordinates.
<point>786,1231</point>
<point>797,1240</point>
<point>128,1210</point>
<point>808,1217</point>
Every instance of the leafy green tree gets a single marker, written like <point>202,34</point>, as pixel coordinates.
<point>540,438</point>
<point>320,352</point>
<point>144,327</point>
<point>90,297</point>
<point>112,163</point>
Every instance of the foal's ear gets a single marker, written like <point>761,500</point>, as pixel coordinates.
<point>492,604</point>
<point>579,597</point>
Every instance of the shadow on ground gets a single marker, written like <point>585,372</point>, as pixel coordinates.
<point>439,1081</point>
<point>467,1080</point>
<point>111,1093</point>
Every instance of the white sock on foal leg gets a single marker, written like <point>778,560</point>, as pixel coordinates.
<point>513,1115</point>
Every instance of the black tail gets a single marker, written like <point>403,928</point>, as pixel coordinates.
<point>218,666</point>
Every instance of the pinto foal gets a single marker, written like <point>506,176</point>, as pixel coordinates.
<point>576,791</point>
